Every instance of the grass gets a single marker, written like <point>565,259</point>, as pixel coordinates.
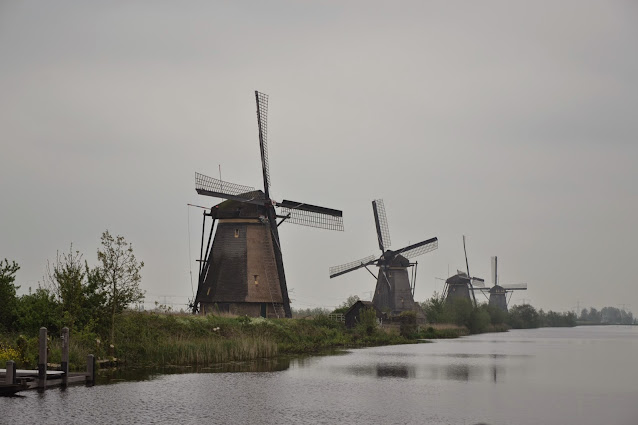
<point>160,339</point>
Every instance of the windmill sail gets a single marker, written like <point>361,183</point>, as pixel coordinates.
<point>420,248</point>
<point>312,215</point>
<point>210,186</point>
<point>381,222</point>
<point>262,124</point>
<point>515,286</point>
<point>353,265</point>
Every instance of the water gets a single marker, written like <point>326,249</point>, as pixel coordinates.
<point>584,375</point>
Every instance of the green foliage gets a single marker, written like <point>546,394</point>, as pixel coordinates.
<point>78,290</point>
<point>7,353</point>
<point>407,324</point>
<point>461,312</point>
<point>524,317</point>
<point>498,317</point>
<point>345,306</point>
<point>607,315</point>
<point>479,320</point>
<point>8,300</point>
<point>434,308</point>
<point>431,332</point>
<point>486,318</point>
<point>36,310</point>
<point>309,312</point>
<point>119,272</point>
<point>553,319</point>
<point>367,323</point>
<point>65,278</point>
<point>350,301</point>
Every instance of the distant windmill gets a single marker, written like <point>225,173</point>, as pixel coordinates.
<point>498,293</point>
<point>243,271</point>
<point>393,292</point>
<point>461,285</point>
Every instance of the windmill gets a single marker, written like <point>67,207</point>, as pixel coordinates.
<point>461,285</point>
<point>394,291</point>
<point>498,293</point>
<point>242,271</point>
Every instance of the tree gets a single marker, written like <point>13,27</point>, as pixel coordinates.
<point>8,301</point>
<point>65,279</point>
<point>524,317</point>
<point>38,309</point>
<point>434,308</point>
<point>78,290</point>
<point>350,301</point>
<point>345,306</point>
<point>119,271</point>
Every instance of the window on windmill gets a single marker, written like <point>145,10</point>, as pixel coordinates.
<point>256,279</point>
<point>236,233</point>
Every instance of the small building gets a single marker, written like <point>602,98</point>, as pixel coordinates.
<point>352,315</point>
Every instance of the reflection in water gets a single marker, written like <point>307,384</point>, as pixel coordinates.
<point>458,372</point>
<point>471,372</point>
<point>395,371</point>
<point>111,376</point>
<point>381,370</point>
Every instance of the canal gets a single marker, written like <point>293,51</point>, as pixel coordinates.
<point>579,376</point>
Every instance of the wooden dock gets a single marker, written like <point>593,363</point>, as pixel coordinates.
<point>13,380</point>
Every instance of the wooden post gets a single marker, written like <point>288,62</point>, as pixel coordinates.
<point>42,362</point>
<point>65,355</point>
<point>10,377</point>
<point>90,369</point>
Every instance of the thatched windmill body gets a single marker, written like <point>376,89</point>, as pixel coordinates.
<point>241,269</point>
<point>394,290</point>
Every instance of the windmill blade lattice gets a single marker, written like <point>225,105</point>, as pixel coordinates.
<point>515,286</point>
<point>381,221</point>
<point>262,123</point>
<point>210,186</point>
<point>478,283</point>
<point>354,265</point>
<point>420,248</point>
<point>313,219</point>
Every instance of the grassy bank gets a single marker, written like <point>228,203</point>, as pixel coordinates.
<point>158,339</point>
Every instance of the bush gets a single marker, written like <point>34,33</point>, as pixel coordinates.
<point>37,310</point>
<point>524,317</point>
<point>8,301</point>
<point>7,353</point>
<point>479,320</point>
<point>367,321</point>
<point>407,327</point>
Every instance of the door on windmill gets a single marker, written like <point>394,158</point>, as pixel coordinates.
<point>263,309</point>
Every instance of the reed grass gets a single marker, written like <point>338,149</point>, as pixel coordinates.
<point>161,339</point>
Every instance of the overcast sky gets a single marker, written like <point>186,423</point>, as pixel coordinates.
<point>513,123</point>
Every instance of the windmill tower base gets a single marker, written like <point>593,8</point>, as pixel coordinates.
<point>393,294</point>
<point>252,309</point>
<point>242,275</point>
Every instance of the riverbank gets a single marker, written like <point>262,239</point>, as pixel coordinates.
<point>161,339</point>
